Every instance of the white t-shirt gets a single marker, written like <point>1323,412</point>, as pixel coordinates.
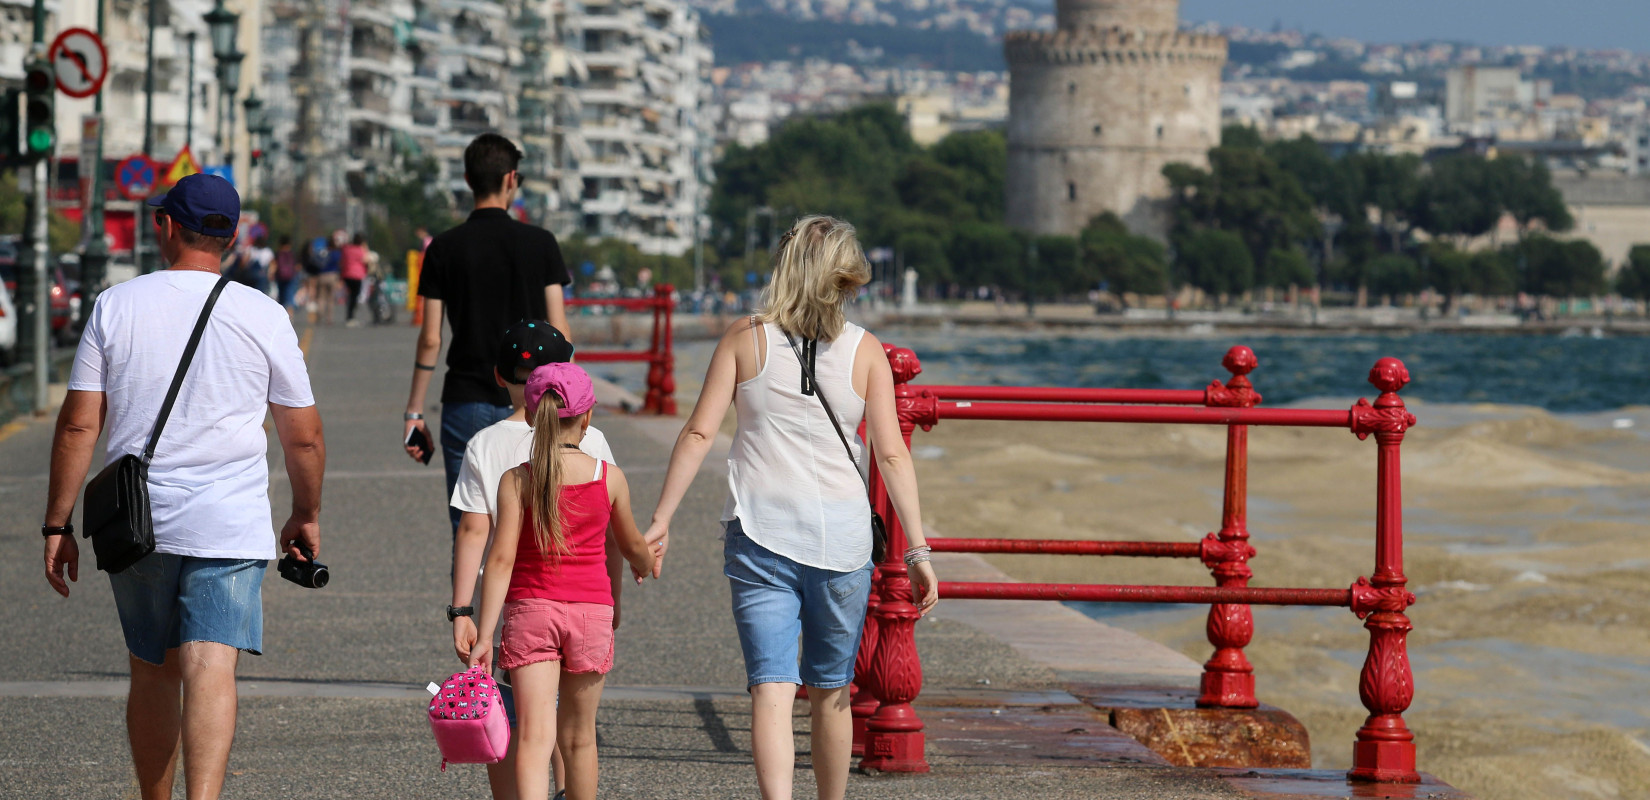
<point>209,481</point>
<point>499,448</point>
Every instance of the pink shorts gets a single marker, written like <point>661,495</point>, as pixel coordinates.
<point>580,635</point>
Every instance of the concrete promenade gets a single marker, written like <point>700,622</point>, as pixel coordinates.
<point>334,707</point>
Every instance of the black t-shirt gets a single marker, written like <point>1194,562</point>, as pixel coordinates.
<point>489,273</point>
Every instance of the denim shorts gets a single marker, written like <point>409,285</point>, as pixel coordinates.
<point>166,599</point>
<point>777,602</point>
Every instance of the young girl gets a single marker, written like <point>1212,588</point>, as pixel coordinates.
<point>547,576</point>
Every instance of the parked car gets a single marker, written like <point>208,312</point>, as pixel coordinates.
<point>64,298</point>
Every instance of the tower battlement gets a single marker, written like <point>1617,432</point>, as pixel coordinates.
<point>1112,46</point>
<point>1099,106</point>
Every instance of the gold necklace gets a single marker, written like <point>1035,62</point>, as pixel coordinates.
<point>197,267</point>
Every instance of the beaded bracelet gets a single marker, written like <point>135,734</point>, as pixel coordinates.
<point>917,555</point>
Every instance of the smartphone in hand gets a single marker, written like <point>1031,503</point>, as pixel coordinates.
<point>418,439</point>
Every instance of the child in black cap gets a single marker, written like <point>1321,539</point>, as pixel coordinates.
<point>490,453</point>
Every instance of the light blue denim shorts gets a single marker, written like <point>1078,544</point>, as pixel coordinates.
<point>165,600</point>
<point>797,624</point>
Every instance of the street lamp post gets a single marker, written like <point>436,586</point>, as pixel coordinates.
<point>256,127</point>
<point>230,82</point>
<point>221,26</point>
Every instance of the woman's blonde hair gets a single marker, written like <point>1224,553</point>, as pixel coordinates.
<point>817,267</point>
<point>545,479</point>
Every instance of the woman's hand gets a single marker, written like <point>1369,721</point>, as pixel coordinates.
<point>481,655</point>
<point>658,538</point>
<point>925,587</point>
<point>464,637</point>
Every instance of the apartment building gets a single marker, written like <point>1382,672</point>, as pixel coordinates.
<point>641,85</point>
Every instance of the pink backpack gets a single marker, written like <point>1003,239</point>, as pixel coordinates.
<point>468,720</point>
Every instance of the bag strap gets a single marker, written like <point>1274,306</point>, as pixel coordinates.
<point>819,392</point>
<point>183,368</point>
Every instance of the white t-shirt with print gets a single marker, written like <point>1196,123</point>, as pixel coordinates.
<point>209,481</point>
<point>497,449</point>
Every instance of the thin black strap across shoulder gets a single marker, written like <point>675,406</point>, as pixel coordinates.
<point>808,379</point>
<point>183,368</point>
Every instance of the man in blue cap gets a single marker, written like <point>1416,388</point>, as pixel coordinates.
<point>190,607</point>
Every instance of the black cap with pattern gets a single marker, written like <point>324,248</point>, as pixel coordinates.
<point>531,344</point>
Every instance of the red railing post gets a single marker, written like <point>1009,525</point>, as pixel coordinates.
<point>667,358</point>
<point>862,702</point>
<point>1385,748</point>
<point>1228,677</point>
<point>893,735</point>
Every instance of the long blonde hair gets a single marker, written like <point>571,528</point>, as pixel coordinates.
<point>545,479</point>
<point>817,267</point>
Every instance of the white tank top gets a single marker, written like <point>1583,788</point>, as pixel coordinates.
<point>791,485</point>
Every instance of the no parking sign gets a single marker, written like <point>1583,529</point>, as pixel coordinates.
<point>135,177</point>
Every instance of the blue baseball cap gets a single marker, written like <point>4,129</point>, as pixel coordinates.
<point>198,196</point>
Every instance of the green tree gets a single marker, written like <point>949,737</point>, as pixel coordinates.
<point>1216,261</point>
<point>1244,137</point>
<point>1126,263</point>
<point>1525,188</point>
<point>1391,184</point>
<point>981,157</point>
<point>1492,274</point>
<point>1446,270</point>
<point>925,253</point>
<point>1245,192</point>
<point>985,254</point>
<point>1394,274</point>
<point>1559,268</point>
<point>403,200</point>
<point>1634,278</point>
<point>1286,267</point>
<point>1460,197</point>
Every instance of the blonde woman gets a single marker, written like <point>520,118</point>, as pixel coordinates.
<point>797,549</point>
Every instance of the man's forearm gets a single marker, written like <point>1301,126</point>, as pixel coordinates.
<point>71,459</point>
<point>305,464</point>
<point>425,356</point>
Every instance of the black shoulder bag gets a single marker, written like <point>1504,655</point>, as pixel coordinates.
<point>116,509</point>
<point>879,529</point>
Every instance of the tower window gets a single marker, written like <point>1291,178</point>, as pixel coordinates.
<point>1071,88</point>
<point>1071,191</point>
<point>1160,132</point>
<point>1097,130</point>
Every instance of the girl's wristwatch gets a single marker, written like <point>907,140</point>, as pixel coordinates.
<point>454,612</point>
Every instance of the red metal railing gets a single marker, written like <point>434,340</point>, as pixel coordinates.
<point>888,732</point>
<point>660,354</point>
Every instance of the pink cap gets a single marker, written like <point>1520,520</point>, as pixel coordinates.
<point>568,382</point>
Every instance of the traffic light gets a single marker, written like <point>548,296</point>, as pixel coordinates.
<point>39,115</point>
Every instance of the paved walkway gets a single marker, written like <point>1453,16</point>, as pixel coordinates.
<point>334,709</point>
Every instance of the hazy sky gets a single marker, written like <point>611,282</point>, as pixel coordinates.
<point>1577,23</point>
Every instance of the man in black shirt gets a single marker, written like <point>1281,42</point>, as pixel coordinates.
<point>487,274</point>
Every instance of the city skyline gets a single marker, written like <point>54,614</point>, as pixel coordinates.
<point>1588,24</point>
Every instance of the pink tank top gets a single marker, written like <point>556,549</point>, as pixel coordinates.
<point>579,575</point>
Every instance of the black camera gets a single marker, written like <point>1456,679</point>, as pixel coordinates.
<point>308,574</point>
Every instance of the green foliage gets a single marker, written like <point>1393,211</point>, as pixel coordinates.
<point>1286,267</point>
<point>1393,274</point>
<point>1445,269</point>
<point>1124,262</point>
<point>981,157</point>
<point>1216,261</point>
<point>1634,278</point>
<point>925,253</point>
<point>403,200</point>
<point>1492,274</point>
<point>1525,189</point>
<point>1244,137</point>
<point>62,233</point>
<point>985,254</point>
<point>1458,197</point>
<point>1559,268</point>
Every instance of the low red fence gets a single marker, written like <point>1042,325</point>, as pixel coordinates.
<point>660,355</point>
<point>888,732</point>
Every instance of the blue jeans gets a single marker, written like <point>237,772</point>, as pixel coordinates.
<point>287,292</point>
<point>166,599</point>
<point>777,601</point>
<point>459,423</point>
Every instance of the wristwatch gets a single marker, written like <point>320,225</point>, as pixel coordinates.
<point>57,530</point>
<point>411,415</point>
<point>454,612</point>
